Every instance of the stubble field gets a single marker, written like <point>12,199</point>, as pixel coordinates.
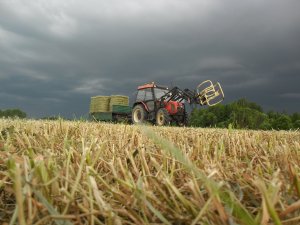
<point>62,172</point>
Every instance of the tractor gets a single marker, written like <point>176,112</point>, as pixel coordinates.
<point>162,106</point>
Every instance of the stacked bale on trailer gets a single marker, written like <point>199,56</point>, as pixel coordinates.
<point>119,103</point>
<point>108,108</point>
<point>99,108</point>
<point>99,104</point>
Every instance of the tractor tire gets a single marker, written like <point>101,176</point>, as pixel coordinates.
<point>162,117</point>
<point>139,114</point>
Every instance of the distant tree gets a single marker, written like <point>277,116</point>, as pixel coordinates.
<point>223,124</point>
<point>243,103</point>
<point>10,113</point>
<point>296,124</point>
<point>220,111</point>
<point>197,118</point>
<point>247,118</point>
<point>243,114</point>
<point>273,115</point>
<point>295,117</point>
<point>208,119</point>
<point>266,125</point>
<point>51,118</point>
<point>283,122</point>
<point>203,118</point>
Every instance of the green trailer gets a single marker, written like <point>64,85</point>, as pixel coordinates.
<point>101,116</point>
<point>119,113</point>
<point>121,109</point>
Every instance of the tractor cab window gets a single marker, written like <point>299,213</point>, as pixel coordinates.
<point>140,95</point>
<point>144,95</point>
<point>148,94</point>
<point>160,92</point>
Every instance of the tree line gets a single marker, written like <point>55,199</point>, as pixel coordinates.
<point>243,114</point>
<point>11,113</point>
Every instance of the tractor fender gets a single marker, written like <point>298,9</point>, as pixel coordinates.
<point>143,103</point>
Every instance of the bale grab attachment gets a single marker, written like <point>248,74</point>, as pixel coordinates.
<point>209,94</point>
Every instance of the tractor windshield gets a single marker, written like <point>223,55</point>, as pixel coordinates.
<point>160,92</point>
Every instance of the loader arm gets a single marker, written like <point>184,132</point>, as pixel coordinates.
<point>206,93</point>
<point>179,95</point>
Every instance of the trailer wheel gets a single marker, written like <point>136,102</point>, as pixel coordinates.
<point>162,117</point>
<point>139,114</point>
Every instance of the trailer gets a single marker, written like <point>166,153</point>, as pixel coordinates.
<point>119,113</point>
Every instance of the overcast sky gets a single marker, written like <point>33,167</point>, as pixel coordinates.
<point>55,55</point>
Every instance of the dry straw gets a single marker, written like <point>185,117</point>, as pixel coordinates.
<point>63,172</point>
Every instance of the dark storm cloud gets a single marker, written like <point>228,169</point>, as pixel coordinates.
<point>55,55</point>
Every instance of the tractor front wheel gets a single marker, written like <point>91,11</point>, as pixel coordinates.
<point>139,114</point>
<point>162,117</point>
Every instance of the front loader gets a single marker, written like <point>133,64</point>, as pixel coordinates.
<point>162,106</point>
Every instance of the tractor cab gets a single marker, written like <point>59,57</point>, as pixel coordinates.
<point>151,92</point>
<point>153,96</point>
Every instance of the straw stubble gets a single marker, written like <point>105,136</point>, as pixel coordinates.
<point>100,173</point>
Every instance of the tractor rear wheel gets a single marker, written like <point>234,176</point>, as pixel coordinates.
<point>139,114</point>
<point>162,117</point>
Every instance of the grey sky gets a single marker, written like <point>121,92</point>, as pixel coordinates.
<point>55,55</point>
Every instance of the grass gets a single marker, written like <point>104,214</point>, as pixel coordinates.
<point>62,172</point>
